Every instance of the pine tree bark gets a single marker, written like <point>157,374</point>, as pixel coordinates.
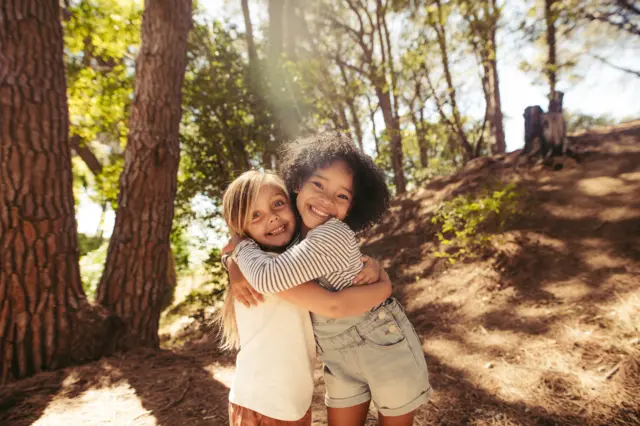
<point>42,303</point>
<point>135,274</point>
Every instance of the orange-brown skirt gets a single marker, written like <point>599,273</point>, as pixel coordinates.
<point>241,416</point>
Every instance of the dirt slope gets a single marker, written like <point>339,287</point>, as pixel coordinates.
<point>545,331</point>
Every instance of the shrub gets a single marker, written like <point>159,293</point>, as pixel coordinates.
<point>468,222</point>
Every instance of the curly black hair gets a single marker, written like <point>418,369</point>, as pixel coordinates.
<point>303,156</point>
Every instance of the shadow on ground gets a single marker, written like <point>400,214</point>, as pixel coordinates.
<point>170,388</point>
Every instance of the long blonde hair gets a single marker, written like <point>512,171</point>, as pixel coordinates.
<point>237,203</point>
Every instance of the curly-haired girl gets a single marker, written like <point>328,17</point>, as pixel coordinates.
<point>273,384</point>
<point>338,191</point>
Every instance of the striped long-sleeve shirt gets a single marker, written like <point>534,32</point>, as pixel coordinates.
<point>329,253</point>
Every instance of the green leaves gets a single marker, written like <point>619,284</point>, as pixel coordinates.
<point>101,40</point>
<point>468,222</point>
<point>225,124</point>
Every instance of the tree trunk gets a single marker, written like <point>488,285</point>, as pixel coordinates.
<point>372,117</point>
<point>550,16</point>
<point>439,26</point>
<point>275,40</point>
<point>353,110</point>
<point>495,106</point>
<point>423,146</point>
<point>42,303</point>
<point>251,46</point>
<point>291,22</point>
<point>135,273</point>
<point>276,95</point>
<point>393,128</point>
<point>255,82</point>
<point>357,126</point>
<point>343,121</point>
<point>482,35</point>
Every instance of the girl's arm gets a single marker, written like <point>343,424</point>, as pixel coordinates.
<point>240,287</point>
<point>248,296</point>
<point>351,301</point>
<point>328,248</point>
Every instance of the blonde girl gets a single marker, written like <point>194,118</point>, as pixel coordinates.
<point>273,383</point>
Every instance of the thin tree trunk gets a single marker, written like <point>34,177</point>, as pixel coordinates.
<point>275,40</point>
<point>42,303</point>
<point>386,98</point>
<point>392,72</point>
<point>495,117</point>
<point>343,120</point>
<point>372,116</point>
<point>419,124</point>
<point>357,126</point>
<point>255,80</point>
<point>291,23</point>
<point>251,46</point>
<point>276,94</point>
<point>552,64</point>
<point>393,128</point>
<point>353,110</point>
<point>496,121</point>
<point>442,42</point>
<point>420,127</point>
<point>482,35</point>
<point>135,273</point>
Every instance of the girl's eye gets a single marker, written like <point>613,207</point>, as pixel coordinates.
<point>279,203</point>
<point>317,184</point>
<point>344,197</point>
<point>255,215</point>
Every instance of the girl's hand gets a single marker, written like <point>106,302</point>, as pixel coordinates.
<point>240,287</point>
<point>231,244</point>
<point>370,273</point>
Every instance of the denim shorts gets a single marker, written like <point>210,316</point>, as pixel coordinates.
<point>375,356</point>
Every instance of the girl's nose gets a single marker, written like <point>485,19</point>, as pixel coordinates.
<point>325,201</point>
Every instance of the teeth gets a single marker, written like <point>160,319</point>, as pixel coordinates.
<point>319,212</point>
<point>276,231</point>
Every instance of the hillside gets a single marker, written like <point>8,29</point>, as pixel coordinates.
<point>545,329</point>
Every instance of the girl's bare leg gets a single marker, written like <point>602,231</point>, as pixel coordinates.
<point>350,416</point>
<point>404,420</point>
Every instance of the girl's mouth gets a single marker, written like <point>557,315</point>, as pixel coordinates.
<point>318,212</point>
<point>279,230</point>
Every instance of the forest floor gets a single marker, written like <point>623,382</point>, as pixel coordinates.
<point>544,330</point>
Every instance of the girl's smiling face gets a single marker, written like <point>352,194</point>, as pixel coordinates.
<point>327,193</point>
<point>271,222</point>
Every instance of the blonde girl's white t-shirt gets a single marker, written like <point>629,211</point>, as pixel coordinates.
<point>274,368</point>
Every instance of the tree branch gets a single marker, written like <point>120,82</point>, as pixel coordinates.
<point>617,67</point>
<point>83,151</point>
<point>355,68</point>
<point>625,25</point>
